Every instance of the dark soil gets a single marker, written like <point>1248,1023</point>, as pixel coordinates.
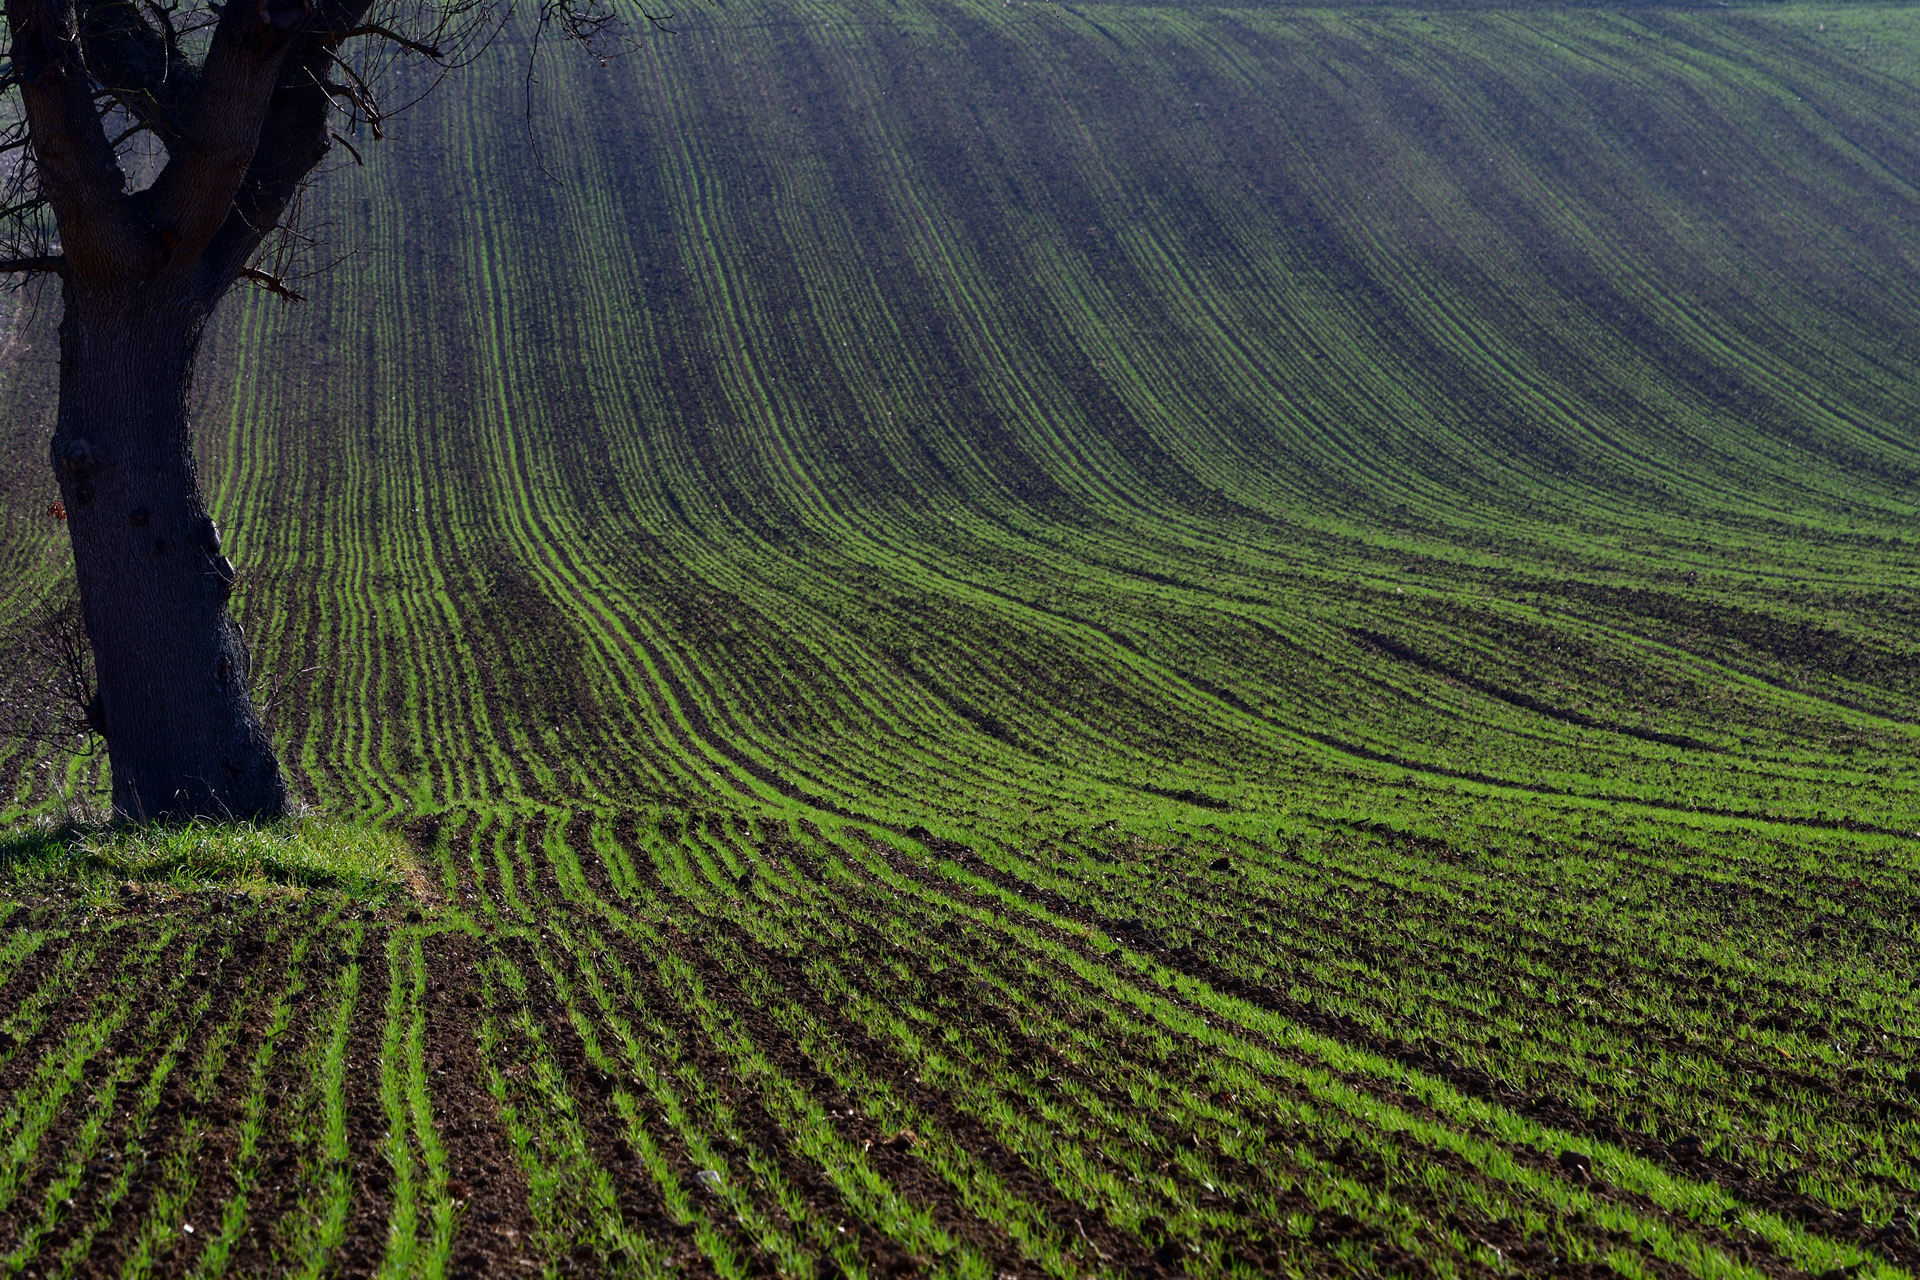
<point>483,1175</point>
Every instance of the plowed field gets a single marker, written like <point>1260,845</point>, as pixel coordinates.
<point>1032,641</point>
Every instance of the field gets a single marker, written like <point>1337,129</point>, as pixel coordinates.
<point>1019,640</point>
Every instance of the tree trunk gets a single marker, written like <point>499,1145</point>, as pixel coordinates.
<point>172,667</point>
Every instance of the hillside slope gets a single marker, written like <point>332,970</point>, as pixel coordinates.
<point>991,410</point>
<point>1253,621</point>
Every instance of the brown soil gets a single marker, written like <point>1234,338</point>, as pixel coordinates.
<point>493,1224</point>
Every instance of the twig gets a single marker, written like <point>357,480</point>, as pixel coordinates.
<point>55,263</point>
<point>141,127</point>
<point>358,93</point>
<point>275,691</point>
<point>386,33</point>
<point>349,146</point>
<point>271,283</point>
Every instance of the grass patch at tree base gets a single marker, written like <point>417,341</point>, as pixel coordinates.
<point>298,854</point>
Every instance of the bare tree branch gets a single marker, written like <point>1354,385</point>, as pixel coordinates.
<point>359,93</point>
<point>49,693</point>
<point>353,150</point>
<point>75,162</point>
<point>293,141</point>
<point>271,283</point>
<point>375,29</point>
<point>191,198</point>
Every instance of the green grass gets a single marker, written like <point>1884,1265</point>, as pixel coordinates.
<point>356,859</point>
<point>1045,642</point>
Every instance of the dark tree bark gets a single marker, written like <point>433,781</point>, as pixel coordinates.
<point>170,665</point>
<point>142,272</point>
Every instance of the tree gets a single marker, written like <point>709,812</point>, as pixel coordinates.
<point>156,150</point>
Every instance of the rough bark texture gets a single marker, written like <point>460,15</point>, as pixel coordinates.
<point>171,664</point>
<point>142,272</point>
